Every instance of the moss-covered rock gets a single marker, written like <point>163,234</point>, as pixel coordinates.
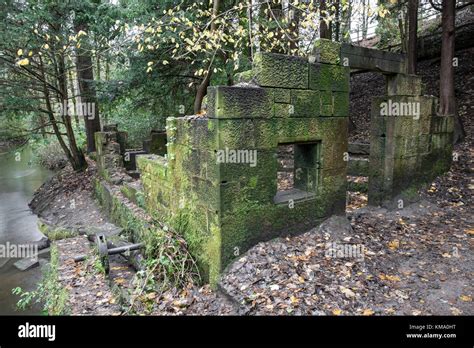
<point>239,102</point>
<point>327,51</point>
<point>278,70</point>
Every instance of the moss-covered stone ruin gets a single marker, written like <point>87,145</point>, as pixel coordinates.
<point>217,185</point>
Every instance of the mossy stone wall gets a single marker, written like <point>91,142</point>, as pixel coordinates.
<point>223,208</point>
<point>407,150</point>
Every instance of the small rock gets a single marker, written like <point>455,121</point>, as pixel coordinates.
<point>26,264</point>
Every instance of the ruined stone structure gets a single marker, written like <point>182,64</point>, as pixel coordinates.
<point>406,150</point>
<point>217,184</point>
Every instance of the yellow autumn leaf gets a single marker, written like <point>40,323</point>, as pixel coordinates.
<point>150,63</point>
<point>30,53</point>
<point>470,231</point>
<point>394,244</point>
<point>368,312</point>
<point>465,298</point>
<point>337,311</point>
<point>81,33</point>
<point>46,46</point>
<point>165,62</point>
<point>294,300</point>
<point>19,52</point>
<point>23,62</point>
<point>392,278</point>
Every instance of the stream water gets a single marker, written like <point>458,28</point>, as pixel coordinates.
<point>19,178</point>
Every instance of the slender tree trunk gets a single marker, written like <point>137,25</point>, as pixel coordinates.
<point>347,25</point>
<point>412,35</point>
<point>97,59</point>
<point>85,78</point>
<point>77,163</point>
<point>323,27</point>
<point>107,69</point>
<point>337,24</point>
<point>73,98</point>
<point>365,19</point>
<point>446,86</point>
<point>42,122</point>
<point>76,152</point>
<point>403,31</point>
<point>250,24</point>
<point>202,88</point>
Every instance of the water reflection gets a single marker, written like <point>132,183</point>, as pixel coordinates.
<point>19,178</point>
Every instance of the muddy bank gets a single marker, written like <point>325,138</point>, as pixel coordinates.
<point>66,202</point>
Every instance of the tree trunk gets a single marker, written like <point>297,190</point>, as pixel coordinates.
<point>202,88</point>
<point>337,19</point>
<point>85,78</point>
<point>78,163</point>
<point>365,19</point>
<point>76,152</point>
<point>412,35</point>
<point>346,32</point>
<point>446,86</point>
<point>97,62</point>
<point>402,21</point>
<point>73,98</point>
<point>323,27</point>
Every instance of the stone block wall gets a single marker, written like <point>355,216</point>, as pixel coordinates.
<point>110,147</point>
<point>409,144</point>
<point>223,207</point>
<point>217,183</point>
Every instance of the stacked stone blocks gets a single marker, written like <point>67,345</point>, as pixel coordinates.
<point>407,148</point>
<point>223,208</point>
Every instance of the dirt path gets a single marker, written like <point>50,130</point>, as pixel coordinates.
<point>67,201</point>
<point>88,289</point>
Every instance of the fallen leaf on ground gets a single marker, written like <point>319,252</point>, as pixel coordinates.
<point>368,312</point>
<point>394,244</point>
<point>348,292</point>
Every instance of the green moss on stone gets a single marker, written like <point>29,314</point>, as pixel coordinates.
<point>327,51</point>
<point>278,70</point>
<point>239,102</point>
